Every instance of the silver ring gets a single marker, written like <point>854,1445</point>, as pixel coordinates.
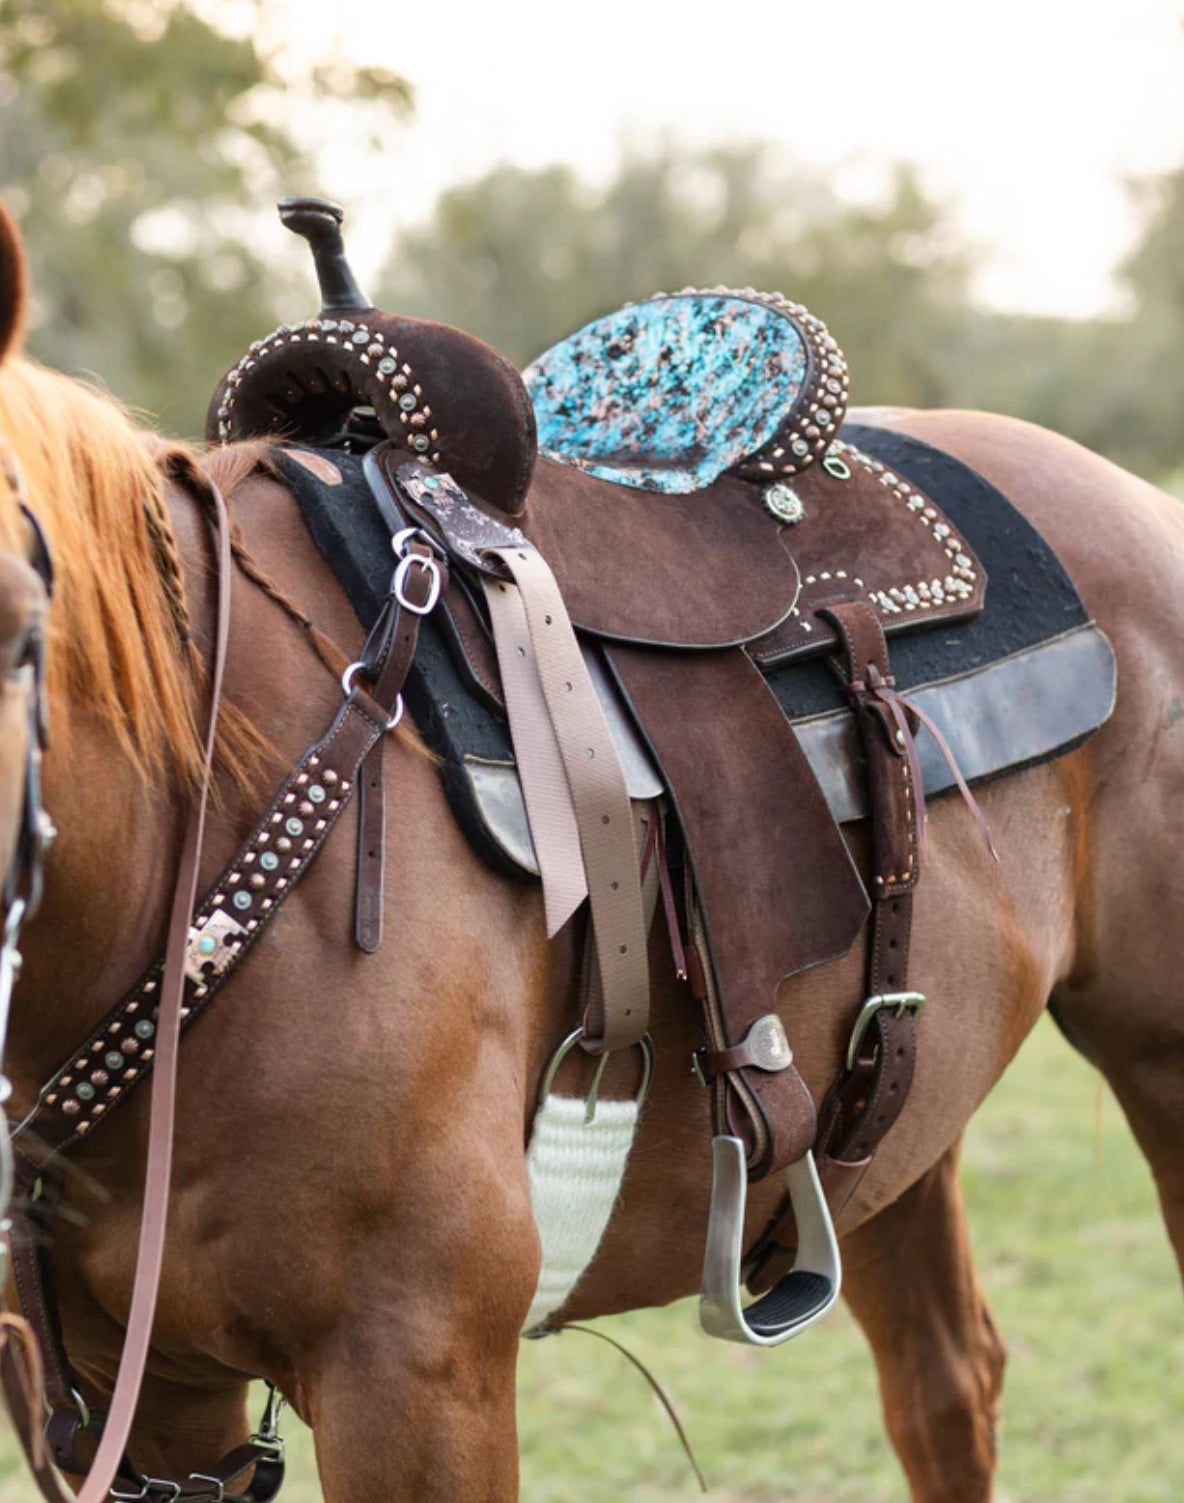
<point>347,678</point>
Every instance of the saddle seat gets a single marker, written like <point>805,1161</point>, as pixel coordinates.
<point>668,394</point>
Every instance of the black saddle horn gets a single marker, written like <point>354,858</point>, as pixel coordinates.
<point>319,221</point>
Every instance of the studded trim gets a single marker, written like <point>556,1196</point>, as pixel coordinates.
<point>380,373</point>
<point>943,594</point>
<point>925,594</point>
<point>229,919</point>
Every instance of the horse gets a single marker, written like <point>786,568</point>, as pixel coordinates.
<point>350,1216</point>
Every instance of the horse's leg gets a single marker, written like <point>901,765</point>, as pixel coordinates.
<point>909,1279</point>
<point>416,1404</point>
<point>410,1389</point>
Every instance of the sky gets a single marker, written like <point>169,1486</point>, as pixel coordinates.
<point>1028,116</point>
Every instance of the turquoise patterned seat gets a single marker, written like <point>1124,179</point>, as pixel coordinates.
<point>668,394</point>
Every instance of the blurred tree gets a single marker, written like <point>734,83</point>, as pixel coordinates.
<point>136,142</point>
<point>524,257</point>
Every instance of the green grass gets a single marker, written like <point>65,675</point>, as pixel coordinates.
<point>1079,1275</point>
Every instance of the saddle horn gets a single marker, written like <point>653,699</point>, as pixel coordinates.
<point>441,395</point>
<point>319,221</point>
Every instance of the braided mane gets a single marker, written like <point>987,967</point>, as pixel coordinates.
<point>119,647</point>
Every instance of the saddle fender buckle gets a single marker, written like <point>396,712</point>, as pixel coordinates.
<point>645,1044</point>
<point>902,1002</point>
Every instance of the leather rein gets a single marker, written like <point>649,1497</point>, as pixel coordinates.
<point>206,942</point>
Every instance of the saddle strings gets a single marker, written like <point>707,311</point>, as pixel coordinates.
<point>657,1389</point>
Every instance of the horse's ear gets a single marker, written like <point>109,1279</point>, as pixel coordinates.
<point>13,283</point>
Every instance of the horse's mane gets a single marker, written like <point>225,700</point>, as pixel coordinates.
<point>119,644</point>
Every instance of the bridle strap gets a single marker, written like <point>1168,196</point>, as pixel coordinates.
<point>109,1458</point>
<point>158,1177</point>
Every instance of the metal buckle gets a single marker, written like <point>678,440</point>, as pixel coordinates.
<point>902,1001</point>
<point>405,565</point>
<point>216,1482</point>
<point>150,1485</point>
<point>401,544</point>
<point>645,1044</point>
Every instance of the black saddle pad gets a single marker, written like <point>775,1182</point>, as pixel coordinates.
<point>1030,601</point>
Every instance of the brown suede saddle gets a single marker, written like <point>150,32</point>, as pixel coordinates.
<point>706,527</point>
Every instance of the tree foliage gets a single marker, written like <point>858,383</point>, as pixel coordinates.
<point>522,257</point>
<point>137,142</point>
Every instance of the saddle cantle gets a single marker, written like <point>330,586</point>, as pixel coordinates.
<point>667,394</point>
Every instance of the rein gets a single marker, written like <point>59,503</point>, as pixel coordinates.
<point>207,940</point>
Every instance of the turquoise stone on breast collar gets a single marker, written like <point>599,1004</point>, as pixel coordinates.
<point>667,394</point>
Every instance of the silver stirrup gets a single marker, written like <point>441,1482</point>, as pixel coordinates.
<point>804,1294</point>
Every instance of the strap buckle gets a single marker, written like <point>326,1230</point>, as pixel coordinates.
<point>902,1002</point>
<point>429,563</point>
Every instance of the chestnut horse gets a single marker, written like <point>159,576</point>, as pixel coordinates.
<point>350,1214</point>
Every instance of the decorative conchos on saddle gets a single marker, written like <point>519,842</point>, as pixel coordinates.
<point>668,394</point>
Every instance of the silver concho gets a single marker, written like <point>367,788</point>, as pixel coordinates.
<point>783,502</point>
<point>768,1045</point>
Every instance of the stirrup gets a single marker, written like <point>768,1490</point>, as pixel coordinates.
<point>798,1299</point>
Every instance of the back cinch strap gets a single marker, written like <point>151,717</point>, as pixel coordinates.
<point>547,654</point>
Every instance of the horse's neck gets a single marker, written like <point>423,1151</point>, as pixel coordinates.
<point>107,888</point>
<point>109,876</point>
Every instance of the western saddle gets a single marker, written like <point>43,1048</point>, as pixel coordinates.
<point>669,485</point>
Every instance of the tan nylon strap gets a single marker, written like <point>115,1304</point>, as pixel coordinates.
<point>553,827</point>
<point>618,1013</point>
<point>150,1258</point>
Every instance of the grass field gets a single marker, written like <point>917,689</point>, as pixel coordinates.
<point>1080,1278</point>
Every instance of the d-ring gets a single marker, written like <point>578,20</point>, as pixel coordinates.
<point>645,1044</point>
<point>347,687</point>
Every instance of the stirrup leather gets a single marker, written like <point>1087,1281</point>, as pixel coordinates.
<point>803,1295</point>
